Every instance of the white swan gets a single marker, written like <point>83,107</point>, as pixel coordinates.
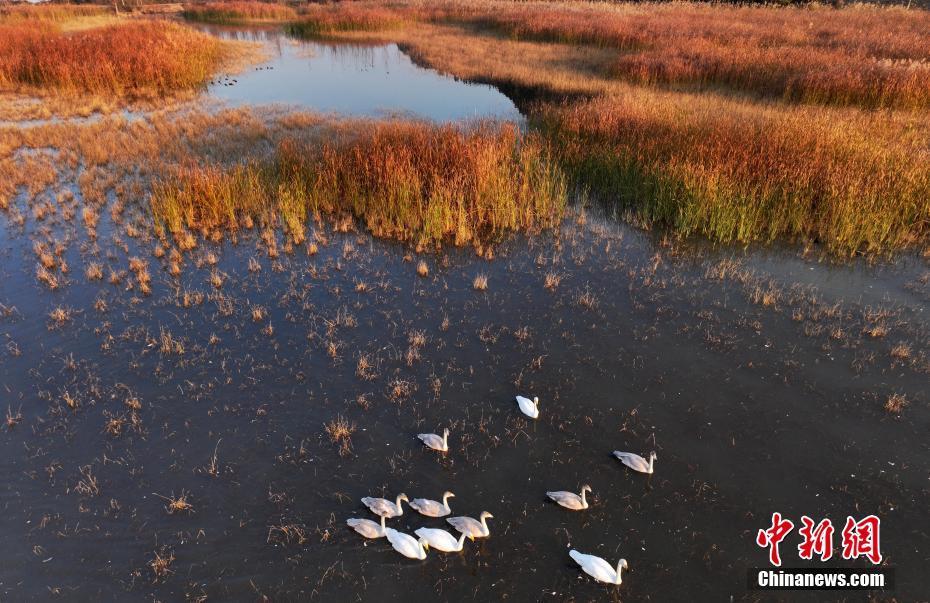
<point>406,545</point>
<point>636,462</point>
<point>384,507</point>
<point>471,527</point>
<point>432,508</point>
<point>529,407</point>
<point>367,527</point>
<point>442,540</point>
<point>599,569</point>
<point>435,442</point>
<point>570,500</point>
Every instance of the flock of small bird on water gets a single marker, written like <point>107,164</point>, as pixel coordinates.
<point>416,548</point>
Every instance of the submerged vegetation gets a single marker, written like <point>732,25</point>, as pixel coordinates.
<point>410,181</point>
<point>125,59</point>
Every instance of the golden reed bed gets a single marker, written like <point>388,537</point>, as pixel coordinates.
<point>739,123</point>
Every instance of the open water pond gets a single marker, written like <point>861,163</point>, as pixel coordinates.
<point>352,79</point>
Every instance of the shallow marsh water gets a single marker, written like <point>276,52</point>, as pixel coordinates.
<point>750,372</point>
<point>365,80</point>
<point>750,410</point>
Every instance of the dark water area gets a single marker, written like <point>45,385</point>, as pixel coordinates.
<point>752,408</point>
<point>362,80</point>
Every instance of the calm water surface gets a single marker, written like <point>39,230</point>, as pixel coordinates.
<point>353,79</point>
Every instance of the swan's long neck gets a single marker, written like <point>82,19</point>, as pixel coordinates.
<point>619,571</point>
<point>584,502</point>
<point>445,439</point>
<point>383,518</point>
<point>484,522</point>
<point>652,460</point>
<point>400,509</point>
<point>445,500</point>
<point>462,540</point>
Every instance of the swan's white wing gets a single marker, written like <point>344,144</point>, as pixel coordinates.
<point>633,461</point>
<point>404,544</point>
<point>440,539</point>
<point>377,505</point>
<point>566,499</point>
<point>427,507</point>
<point>380,506</point>
<point>365,527</point>
<point>595,567</point>
<point>466,525</point>
<point>527,407</point>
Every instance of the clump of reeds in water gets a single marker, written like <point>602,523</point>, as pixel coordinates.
<point>405,180</point>
<point>318,20</point>
<point>129,58</point>
<point>238,12</point>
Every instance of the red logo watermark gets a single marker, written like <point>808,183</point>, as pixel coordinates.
<point>859,538</point>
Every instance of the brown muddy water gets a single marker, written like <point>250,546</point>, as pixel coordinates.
<point>760,377</point>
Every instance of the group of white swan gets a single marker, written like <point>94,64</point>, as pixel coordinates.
<point>416,548</point>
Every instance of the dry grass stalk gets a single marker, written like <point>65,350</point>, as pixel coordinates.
<point>895,403</point>
<point>340,432</point>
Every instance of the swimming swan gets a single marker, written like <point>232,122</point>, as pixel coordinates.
<point>384,507</point>
<point>472,528</point>
<point>570,500</point>
<point>431,508</point>
<point>529,407</point>
<point>636,462</point>
<point>435,442</point>
<point>367,527</point>
<point>441,540</point>
<point>599,569</point>
<point>406,545</point>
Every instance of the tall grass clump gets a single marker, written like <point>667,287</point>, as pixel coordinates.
<point>238,12</point>
<point>408,181</point>
<point>324,19</point>
<point>737,172</point>
<point>133,58</point>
